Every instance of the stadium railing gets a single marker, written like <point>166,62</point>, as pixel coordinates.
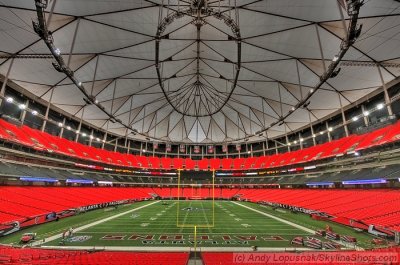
<point>35,256</point>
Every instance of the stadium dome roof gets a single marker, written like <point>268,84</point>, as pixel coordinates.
<point>201,71</point>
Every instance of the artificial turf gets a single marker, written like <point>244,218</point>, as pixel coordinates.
<point>169,223</point>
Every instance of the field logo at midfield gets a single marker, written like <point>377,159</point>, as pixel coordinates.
<point>194,209</point>
<point>79,238</point>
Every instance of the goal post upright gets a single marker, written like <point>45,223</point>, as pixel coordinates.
<point>213,198</point>
<point>177,207</point>
<point>193,186</point>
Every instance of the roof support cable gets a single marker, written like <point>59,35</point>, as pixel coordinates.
<point>41,28</point>
<point>353,32</point>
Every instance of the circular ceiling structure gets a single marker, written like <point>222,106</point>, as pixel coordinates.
<point>200,71</point>
<point>201,94</point>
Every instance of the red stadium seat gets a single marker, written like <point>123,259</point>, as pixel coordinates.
<point>45,142</point>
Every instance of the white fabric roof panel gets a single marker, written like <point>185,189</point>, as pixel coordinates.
<point>114,56</point>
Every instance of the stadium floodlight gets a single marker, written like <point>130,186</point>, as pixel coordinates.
<point>295,142</point>
<point>41,3</point>
<point>366,113</point>
<point>289,144</point>
<point>57,67</point>
<point>379,106</point>
<point>355,118</point>
<point>321,133</point>
<point>97,139</point>
<point>335,58</point>
<point>77,131</point>
<point>330,129</point>
<point>91,136</point>
<point>68,128</point>
<point>144,150</point>
<point>335,73</point>
<point>34,112</point>
<point>313,136</point>
<point>9,99</point>
<point>301,139</point>
<point>84,134</point>
<point>60,124</point>
<point>80,83</point>
<point>249,152</point>
<point>22,106</point>
<point>57,51</point>
<point>311,90</point>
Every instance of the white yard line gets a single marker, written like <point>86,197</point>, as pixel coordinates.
<point>277,218</point>
<point>51,238</point>
<point>205,216</point>
<point>184,219</point>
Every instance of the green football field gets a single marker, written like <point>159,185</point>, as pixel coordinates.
<point>171,224</point>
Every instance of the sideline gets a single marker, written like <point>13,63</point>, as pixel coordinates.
<point>347,245</point>
<point>51,238</point>
<point>180,249</point>
<point>279,219</point>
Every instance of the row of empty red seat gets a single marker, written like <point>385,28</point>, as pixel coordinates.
<point>48,143</point>
<point>21,202</point>
<point>30,256</point>
<point>377,207</point>
<point>36,256</point>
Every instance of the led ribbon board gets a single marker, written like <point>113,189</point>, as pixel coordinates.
<point>364,181</point>
<point>33,179</point>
